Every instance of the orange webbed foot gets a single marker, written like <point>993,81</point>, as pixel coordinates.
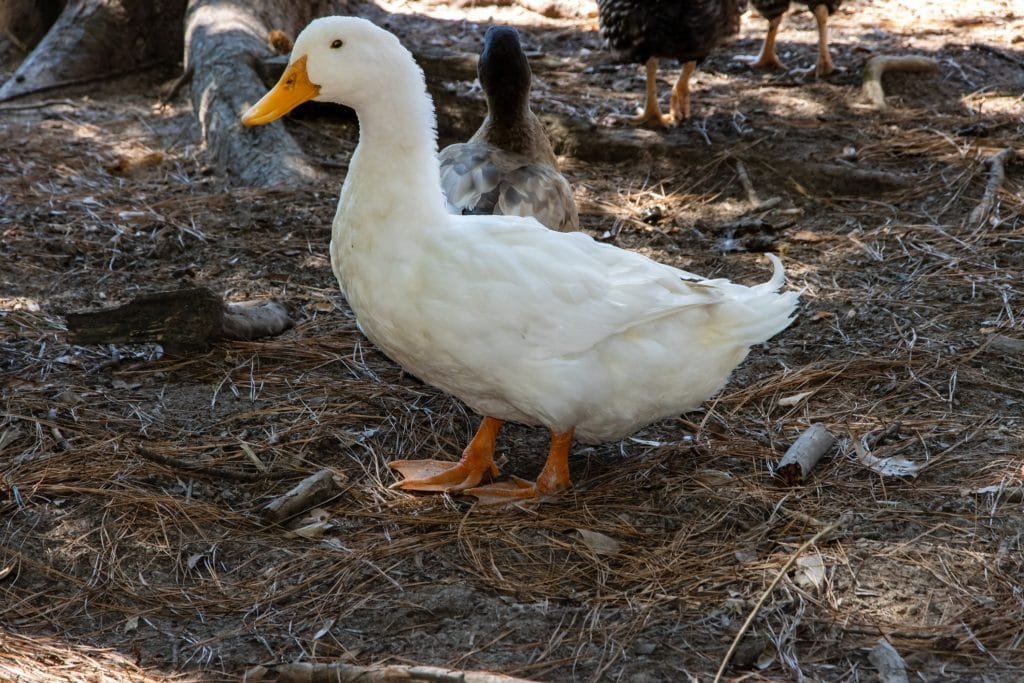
<point>505,492</point>
<point>441,475</point>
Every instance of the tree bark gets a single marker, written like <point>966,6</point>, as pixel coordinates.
<point>93,39</point>
<point>180,320</point>
<point>223,43</point>
<point>22,24</point>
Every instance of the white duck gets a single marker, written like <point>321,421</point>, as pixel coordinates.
<point>520,322</point>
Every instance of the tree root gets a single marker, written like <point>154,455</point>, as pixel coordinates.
<point>879,64</point>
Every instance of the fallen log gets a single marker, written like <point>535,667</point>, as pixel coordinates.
<point>179,319</point>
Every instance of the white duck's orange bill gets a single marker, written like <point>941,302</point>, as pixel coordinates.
<point>291,90</point>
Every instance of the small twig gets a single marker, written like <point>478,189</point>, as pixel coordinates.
<point>879,64</point>
<point>1004,344</point>
<point>756,204</point>
<point>768,591</point>
<point>804,454</point>
<point>996,176</point>
<point>880,436</point>
<point>17,42</point>
<point>37,105</point>
<point>339,672</point>
<point>179,464</point>
<point>748,186</point>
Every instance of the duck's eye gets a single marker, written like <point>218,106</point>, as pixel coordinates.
<point>336,44</point>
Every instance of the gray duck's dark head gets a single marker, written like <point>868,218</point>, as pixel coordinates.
<point>503,68</point>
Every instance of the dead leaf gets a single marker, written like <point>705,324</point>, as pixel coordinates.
<point>598,543</point>
<point>131,162</point>
<point>892,466</point>
<point>810,571</point>
<point>320,306</point>
<point>794,399</point>
<point>131,624</point>
<point>315,516</point>
<point>325,629</point>
<point>895,466</point>
<point>714,477</point>
<point>313,530</point>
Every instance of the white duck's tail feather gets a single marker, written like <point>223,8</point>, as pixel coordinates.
<point>758,313</point>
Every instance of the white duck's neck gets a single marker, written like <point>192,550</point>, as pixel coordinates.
<point>393,175</point>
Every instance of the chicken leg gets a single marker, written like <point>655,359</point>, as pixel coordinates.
<point>681,94</point>
<point>769,59</point>
<point>443,475</point>
<point>824,64</point>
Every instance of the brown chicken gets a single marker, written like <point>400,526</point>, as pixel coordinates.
<point>644,31</point>
<point>772,10</point>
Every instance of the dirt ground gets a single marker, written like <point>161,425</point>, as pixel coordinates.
<point>133,477</point>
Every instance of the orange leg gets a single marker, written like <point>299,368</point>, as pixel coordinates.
<point>554,477</point>
<point>769,59</point>
<point>681,93</point>
<point>442,475</point>
<point>824,65</point>
<point>652,115</point>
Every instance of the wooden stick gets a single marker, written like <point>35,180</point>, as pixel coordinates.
<point>311,490</point>
<point>804,454</point>
<point>1004,344</point>
<point>768,591</point>
<point>879,64</point>
<point>748,186</point>
<point>197,468</point>
<point>338,672</point>
<point>996,176</point>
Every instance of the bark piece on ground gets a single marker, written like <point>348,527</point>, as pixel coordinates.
<point>180,319</point>
<point>94,39</point>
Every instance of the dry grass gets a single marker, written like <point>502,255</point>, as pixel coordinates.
<point>132,548</point>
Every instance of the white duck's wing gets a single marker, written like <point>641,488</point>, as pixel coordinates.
<point>559,294</point>
<point>478,178</point>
